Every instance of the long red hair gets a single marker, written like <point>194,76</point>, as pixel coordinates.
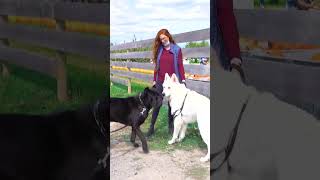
<point>157,43</point>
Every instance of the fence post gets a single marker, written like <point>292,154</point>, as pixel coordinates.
<point>4,42</point>
<point>61,68</point>
<point>129,86</point>
<point>129,80</point>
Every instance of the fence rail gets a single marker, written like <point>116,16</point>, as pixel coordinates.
<point>292,80</point>
<point>202,87</point>
<point>57,39</point>
<point>187,53</point>
<point>291,26</point>
<point>71,42</point>
<point>199,35</point>
<point>84,12</point>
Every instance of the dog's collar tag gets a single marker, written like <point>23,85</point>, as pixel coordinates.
<point>143,110</point>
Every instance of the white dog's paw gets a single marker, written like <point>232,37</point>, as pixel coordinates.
<point>204,159</point>
<point>171,141</point>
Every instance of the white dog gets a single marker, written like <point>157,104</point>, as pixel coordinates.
<point>275,140</point>
<point>187,107</point>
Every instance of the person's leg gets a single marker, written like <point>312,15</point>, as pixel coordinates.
<point>170,120</point>
<point>155,112</point>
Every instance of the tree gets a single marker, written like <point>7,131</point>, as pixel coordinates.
<point>197,44</point>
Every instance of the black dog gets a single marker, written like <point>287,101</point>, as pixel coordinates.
<point>156,110</point>
<point>67,145</point>
<point>133,111</point>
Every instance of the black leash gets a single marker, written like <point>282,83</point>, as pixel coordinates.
<point>228,149</point>
<point>241,72</point>
<point>99,124</point>
<point>118,129</point>
<point>102,162</point>
<point>184,100</point>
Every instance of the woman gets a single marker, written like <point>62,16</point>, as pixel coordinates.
<point>167,57</point>
<point>225,35</point>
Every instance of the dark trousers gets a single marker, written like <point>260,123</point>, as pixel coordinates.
<point>216,37</point>
<point>155,113</point>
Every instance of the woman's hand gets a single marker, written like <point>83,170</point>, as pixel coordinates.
<point>153,83</point>
<point>184,82</point>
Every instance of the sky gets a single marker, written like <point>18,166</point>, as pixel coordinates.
<point>144,18</point>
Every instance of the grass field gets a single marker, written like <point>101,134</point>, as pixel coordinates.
<point>26,91</point>
<point>161,137</point>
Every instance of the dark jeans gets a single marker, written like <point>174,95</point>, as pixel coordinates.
<point>216,37</point>
<point>155,114</point>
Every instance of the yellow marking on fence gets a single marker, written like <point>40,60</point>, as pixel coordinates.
<point>120,68</point>
<point>144,71</point>
<point>71,26</point>
<point>148,71</point>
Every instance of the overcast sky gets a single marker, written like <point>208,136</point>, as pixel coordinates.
<point>145,18</point>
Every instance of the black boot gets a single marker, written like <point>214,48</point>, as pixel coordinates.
<point>153,121</point>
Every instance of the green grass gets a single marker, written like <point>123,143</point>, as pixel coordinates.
<point>26,91</point>
<point>271,3</point>
<point>159,141</point>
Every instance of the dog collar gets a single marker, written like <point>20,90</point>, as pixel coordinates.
<point>144,107</point>
<point>100,126</point>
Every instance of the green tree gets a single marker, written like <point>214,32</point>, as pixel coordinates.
<point>197,44</point>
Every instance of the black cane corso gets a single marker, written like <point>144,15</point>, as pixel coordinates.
<point>133,111</point>
<point>65,145</point>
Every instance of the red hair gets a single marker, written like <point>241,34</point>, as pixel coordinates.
<point>157,43</point>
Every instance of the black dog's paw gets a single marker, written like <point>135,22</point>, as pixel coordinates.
<point>136,145</point>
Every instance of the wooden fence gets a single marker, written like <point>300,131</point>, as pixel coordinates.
<point>144,71</point>
<point>57,39</point>
<point>293,80</point>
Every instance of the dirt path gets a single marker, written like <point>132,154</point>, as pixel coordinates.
<point>131,163</point>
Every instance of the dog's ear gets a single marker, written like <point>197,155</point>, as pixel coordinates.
<point>166,77</point>
<point>174,78</point>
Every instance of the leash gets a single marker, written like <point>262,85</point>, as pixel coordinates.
<point>228,149</point>
<point>241,72</point>
<point>102,162</point>
<point>95,109</point>
<point>184,100</point>
<point>118,129</point>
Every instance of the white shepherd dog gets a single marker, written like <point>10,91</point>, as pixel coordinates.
<point>275,140</point>
<point>187,107</point>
